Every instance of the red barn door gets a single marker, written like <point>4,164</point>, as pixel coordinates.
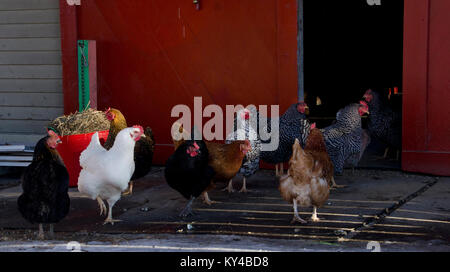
<point>155,54</point>
<point>426,84</point>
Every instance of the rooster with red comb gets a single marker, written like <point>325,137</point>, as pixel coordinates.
<point>105,174</point>
<point>143,150</point>
<point>245,130</point>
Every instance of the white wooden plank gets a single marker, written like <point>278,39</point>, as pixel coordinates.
<point>30,31</point>
<point>31,71</point>
<point>29,16</point>
<point>24,44</point>
<point>31,113</point>
<point>53,57</point>
<point>12,148</point>
<point>15,164</point>
<point>23,126</point>
<point>31,99</point>
<point>27,139</point>
<point>28,4</point>
<point>16,158</point>
<point>30,85</point>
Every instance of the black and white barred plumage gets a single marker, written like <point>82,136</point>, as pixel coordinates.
<point>247,131</point>
<point>344,138</point>
<point>292,125</point>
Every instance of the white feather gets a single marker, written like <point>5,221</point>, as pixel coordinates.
<point>106,173</point>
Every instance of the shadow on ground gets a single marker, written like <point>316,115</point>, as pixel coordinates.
<point>154,209</point>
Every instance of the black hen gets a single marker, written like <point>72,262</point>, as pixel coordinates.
<point>143,154</point>
<point>384,122</point>
<point>45,184</point>
<point>187,171</point>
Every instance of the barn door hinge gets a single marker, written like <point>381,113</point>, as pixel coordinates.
<point>197,4</point>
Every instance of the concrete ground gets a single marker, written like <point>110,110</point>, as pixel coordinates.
<point>385,210</point>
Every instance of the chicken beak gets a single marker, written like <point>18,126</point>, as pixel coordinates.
<point>143,135</point>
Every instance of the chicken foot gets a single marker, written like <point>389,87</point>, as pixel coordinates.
<point>279,169</point>
<point>109,219</point>
<point>41,232</point>
<point>296,218</point>
<point>102,206</point>
<point>385,155</point>
<point>129,190</point>
<point>188,209</point>
<point>206,198</point>
<point>229,187</point>
<point>244,186</point>
<point>334,186</point>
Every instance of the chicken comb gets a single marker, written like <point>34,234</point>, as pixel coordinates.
<point>302,106</point>
<point>109,115</point>
<point>196,145</point>
<point>364,104</point>
<point>313,126</point>
<point>245,114</point>
<point>53,130</point>
<point>141,129</point>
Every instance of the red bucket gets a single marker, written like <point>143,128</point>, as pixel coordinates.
<point>70,150</point>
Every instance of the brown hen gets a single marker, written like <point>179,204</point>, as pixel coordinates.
<point>304,184</point>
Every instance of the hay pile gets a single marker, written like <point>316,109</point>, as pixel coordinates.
<point>87,121</point>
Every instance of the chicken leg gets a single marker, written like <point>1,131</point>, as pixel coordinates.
<point>229,188</point>
<point>129,190</point>
<point>314,217</point>
<point>41,232</point>
<point>244,186</point>
<point>386,153</point>
<point>188,209</point>
<point>334,186</point>
<point>51,231</point>
<point>296,216</point>
<point>102,206</point>
<point>206,198</point>
<point>109,219</point>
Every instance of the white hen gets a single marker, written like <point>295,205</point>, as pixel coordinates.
<point>105,173</point>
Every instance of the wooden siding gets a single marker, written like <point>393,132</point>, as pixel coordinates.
<point>30,69</point>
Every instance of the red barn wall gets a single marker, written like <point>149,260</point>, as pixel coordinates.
<point>153,55</point>
<point>426,87</point>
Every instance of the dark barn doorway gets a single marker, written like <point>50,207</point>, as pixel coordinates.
<point>350,46</point>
